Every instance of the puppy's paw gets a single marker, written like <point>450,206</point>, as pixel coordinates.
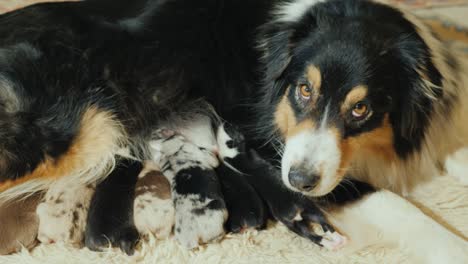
<point>198,220</point>
<point>125,237</point>
<point>153,208</point>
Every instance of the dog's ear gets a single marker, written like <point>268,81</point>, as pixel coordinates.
<point>420,87</point>
<point>278,38</point>
<point>275,46</point>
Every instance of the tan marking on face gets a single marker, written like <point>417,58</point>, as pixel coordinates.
<point>286,121</point>
<point>378,142</point>
<point>300,127</point>
<point>284,116</point>
<point>356,95</point>
<point>98,135</point>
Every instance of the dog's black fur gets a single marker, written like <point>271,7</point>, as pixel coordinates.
<point>140,60</point>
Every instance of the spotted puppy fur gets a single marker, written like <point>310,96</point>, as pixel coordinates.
<point>153,208</point>
<point>63,212</point>
<point>200,211</point>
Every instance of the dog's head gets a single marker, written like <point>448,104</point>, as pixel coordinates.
<point>347,79</point>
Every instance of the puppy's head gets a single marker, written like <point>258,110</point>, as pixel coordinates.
<point>348,80</point>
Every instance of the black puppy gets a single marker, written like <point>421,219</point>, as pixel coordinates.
<point>110,217</point>
<point>246,209</point>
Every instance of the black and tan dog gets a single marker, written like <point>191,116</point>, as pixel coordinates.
<point>339,89</point>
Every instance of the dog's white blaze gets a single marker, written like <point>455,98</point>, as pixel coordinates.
<point>223,149</point>
<point>316,150</point>
<point>293,11</point>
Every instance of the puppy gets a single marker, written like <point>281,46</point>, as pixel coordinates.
<point>153,208</point>
<point>110,219</point>
<point>19,224</point>
<point>200,210</point>
<point>63,212</point>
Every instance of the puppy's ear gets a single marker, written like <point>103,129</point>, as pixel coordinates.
<point>275,44</point>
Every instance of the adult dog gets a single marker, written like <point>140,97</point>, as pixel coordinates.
<point>349,89</point>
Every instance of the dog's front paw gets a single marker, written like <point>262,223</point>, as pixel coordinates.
<point>198,220</point>
<point>299,213</point>
<point>303,217</point>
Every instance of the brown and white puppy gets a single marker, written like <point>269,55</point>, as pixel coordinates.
<point>19,224</point>
<point>153,208</point>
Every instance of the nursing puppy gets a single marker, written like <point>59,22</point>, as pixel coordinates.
<point>19,224</point>
<point>153,207</point>
<point>62,213</point>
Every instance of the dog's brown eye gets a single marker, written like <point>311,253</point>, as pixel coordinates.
<point>360,110</point>
<point>306,91</point>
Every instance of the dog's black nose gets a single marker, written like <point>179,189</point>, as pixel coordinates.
<point>303,181</point>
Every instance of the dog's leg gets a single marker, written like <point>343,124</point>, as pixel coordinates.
<point>385,216</point>
<point>294,210</point>
<point>110,218</point>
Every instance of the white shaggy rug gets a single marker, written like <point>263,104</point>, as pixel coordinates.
<point>444,198</point>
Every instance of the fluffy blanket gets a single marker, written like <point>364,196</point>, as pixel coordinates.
<point>444,199</point>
